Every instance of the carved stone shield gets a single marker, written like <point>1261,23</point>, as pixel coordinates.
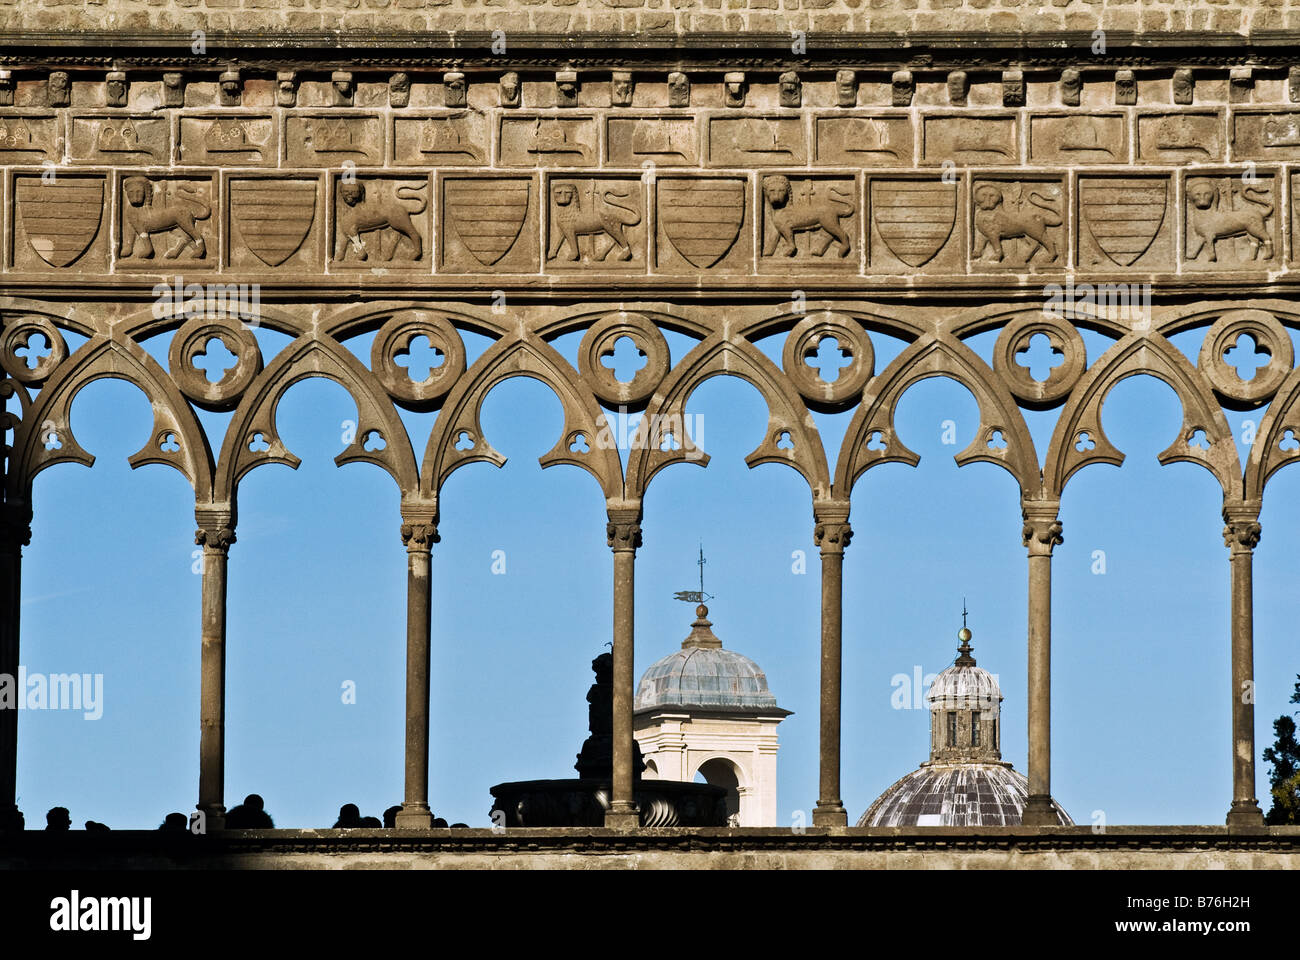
<point>487,215</point>
<point>914,217</point>
<point>61,218</point>
<point>1123,216</point>
<point>273,216</point>
<point>702,218</point>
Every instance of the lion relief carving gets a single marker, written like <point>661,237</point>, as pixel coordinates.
<point>150,208</point>
<point>1212,216</point>
<point>602,215</point>
<point>789,215</point>
<point>1030,218</point>
<point>366,208</point>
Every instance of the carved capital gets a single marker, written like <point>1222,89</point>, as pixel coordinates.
<point>832,537</point>
<point>1042,530</point>
<point>215,537</point>
<point>1241,527</point>
<point>420,535</point>
<point>623,535</point>
<point>216,527</point>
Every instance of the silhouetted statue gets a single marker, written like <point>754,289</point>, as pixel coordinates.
<point>460,826</point>
<point>12,819</point>
<point>371,822</point>
<point>57,820</point>
<point>94,826</point>
<point>439,822</point>
<point>596,761</point>
<point>390,816</point>
<point>175,823</point>
<point>349,816</point>
<point>249,815</point>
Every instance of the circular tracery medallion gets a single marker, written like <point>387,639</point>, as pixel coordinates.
<point>394,340</point>
<point>598,344</point>
<point>191,343</point>
<point>1270,337</point>
<point>20,347</point>
<point>852,368</point>
<point>1015,339</point>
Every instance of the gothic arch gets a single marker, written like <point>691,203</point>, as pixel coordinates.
<point>99,358</point>
<point>1137,354</point>
<point>311,356</point>
<point>937,355</point>
<point>522,355</point>
<point>788,417</point>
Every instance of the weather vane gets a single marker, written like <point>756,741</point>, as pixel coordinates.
<point>696,596</point>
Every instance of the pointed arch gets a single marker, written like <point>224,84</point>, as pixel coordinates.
<point>937,355</point>
<point>787,415</point>
<point>524,355</point>
<point>100,358</point>
<point>1138,354</point>
<point>1266,454</point>
<point>313,356</point>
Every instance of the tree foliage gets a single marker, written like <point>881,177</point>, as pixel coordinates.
<point>1284,779</point>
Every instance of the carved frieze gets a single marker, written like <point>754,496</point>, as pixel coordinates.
<point>1230,221</point>
<point>1125,222</point>
<point>548,141</point>
<point>986,140</point>
<point>757,141</point>
<point>666,141</point>
<point>914,224</point>
<point>274,222</point>
<point>1274,135</point>
<point>450,139</point>
<point>867,141</point>
<point>702,223</point>
<point>165,218</point>
<point>1078,138</point>
<point>119,140</point>
<point>1184,137</point>
<point>333,139</point>
<point>28,137</point>
<point>809,222</point>
<point>483,224</point>
<point>1017,224</point>
<point>380,222</point>
<point>237,140</point>
<point>595,222</point>
<point>58,222</point>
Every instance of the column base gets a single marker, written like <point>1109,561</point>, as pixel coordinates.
<point>1245,813</point>
<point>830,815</point>
<point>414,816</point>
<point>622,815</point>
<point>1039,812</point>
<point>214,818</point>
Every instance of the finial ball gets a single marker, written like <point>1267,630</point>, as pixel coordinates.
<point>964,635</point>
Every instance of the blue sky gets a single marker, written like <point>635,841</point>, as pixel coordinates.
<point>1141,729</point>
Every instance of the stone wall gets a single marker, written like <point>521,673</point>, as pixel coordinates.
<point>662,17</point>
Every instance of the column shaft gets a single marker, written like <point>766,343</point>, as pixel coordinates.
<point>1241,534</point>
<point>624,535</point>
<point>419,538</point>
<point>1041,533</point>
<point>832,534</point>
<point>15,533</point>
<point>215,535</point>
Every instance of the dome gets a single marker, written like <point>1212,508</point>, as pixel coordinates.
<point>964,684</point>
<point>955,795</point>
<point>703,674</point>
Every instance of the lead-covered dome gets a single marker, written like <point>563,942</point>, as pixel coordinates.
<point>964,685</point>
<point>955,795</point>
<point>703,674</point>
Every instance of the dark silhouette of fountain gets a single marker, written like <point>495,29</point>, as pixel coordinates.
<point>583,802</point>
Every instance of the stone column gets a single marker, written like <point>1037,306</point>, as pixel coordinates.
<point>15,533</point>
<point>419,533</point>
<point>1041,533</point>
<point>623,532</point>
<point>831,534</point>
<point>1241,534</point>
<point>215,534</point>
